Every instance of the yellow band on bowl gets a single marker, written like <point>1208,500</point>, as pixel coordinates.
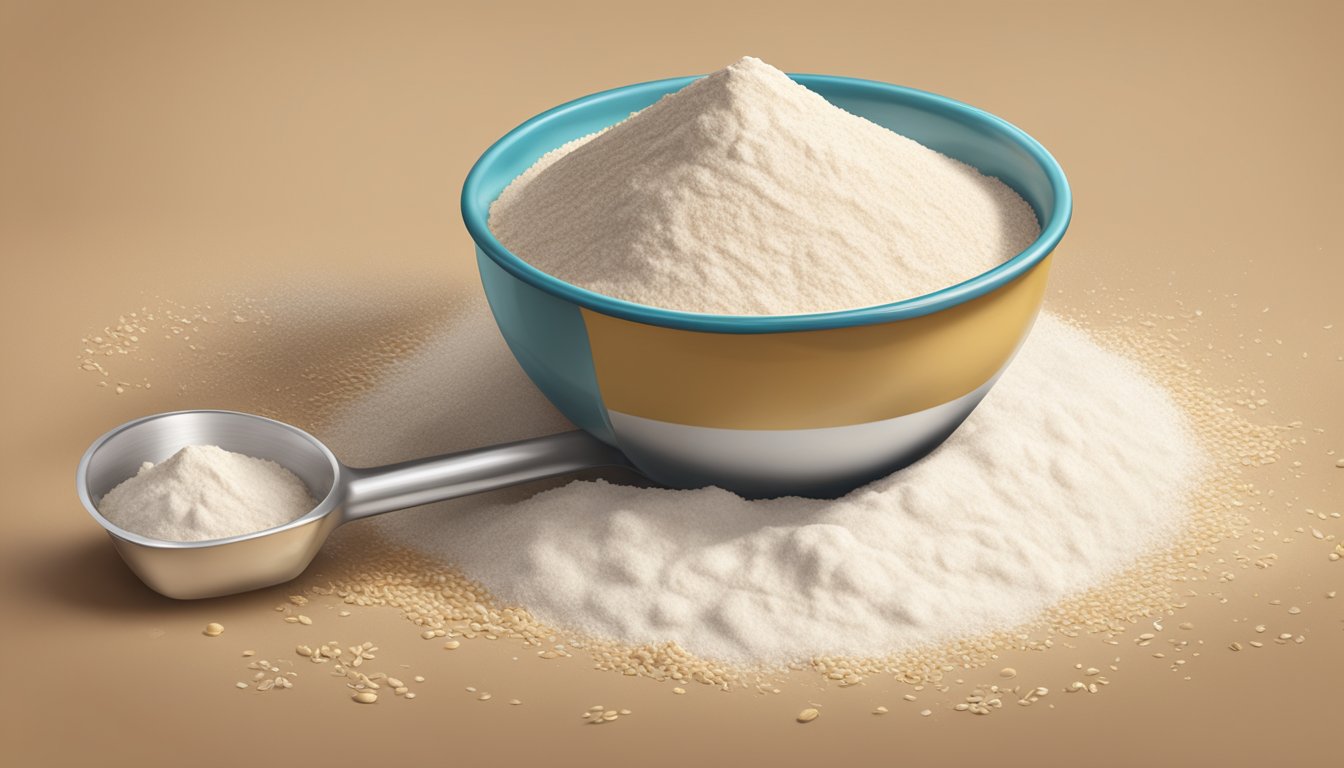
<point>811,379</point>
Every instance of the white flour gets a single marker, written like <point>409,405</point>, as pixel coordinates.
<point>1074,466</point>
<point>746,193</point>
<point>205,492</point>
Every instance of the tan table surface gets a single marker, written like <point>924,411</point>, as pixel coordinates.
<point>181,150</point>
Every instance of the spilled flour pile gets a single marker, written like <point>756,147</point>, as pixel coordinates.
<point>746,193</point>
<point>1073,467</point>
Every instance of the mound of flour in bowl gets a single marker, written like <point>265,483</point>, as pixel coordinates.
<point>1074,466</point>
<point>747,193</point>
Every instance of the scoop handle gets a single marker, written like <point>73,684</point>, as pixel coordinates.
<point>374,490</point>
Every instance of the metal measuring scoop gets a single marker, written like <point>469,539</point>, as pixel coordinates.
<point>195,569</point>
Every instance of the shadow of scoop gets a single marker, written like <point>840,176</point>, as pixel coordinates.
<point>87,574</point>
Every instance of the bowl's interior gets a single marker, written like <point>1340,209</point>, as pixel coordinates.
<point>952,128</point>
<point>975,137</point>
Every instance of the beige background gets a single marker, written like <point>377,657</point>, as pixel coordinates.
<point>180,150</point>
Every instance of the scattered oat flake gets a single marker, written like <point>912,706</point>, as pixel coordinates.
<point>213,629</point>
<point>808,715</point>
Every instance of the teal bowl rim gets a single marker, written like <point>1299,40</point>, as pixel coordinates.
<point>476,219</point>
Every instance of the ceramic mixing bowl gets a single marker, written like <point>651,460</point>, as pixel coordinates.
<point>811,404</point>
